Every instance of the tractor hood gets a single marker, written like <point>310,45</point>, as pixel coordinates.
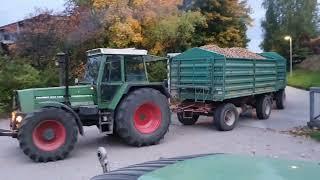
<point>28,100</point>
<point>233,167</point>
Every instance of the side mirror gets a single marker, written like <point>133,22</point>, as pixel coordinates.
<point>76,81</point>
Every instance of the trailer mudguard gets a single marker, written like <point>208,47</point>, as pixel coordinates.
<point>66,108</point>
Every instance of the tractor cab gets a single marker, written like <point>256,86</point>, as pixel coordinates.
<point>109,70</point>
<point>116,65</point>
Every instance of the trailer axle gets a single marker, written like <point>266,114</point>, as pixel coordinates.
<point>9,133</point>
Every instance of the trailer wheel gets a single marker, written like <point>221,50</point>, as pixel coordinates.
<point>187,121</point>
<point>263,107</point>
<point>226,117</point>
<point>143,117</point>
<point>48,135</point>
<point>280,98</point>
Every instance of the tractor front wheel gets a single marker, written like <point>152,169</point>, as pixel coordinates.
<point>48,135</point>
<point>143,117</point>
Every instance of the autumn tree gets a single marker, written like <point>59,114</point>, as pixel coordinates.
<point>39,38</point>
<point>84,31</point>
<point>156,25</point>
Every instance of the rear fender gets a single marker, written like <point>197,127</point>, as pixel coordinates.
<point>159,87</point>
<point>67,109</point>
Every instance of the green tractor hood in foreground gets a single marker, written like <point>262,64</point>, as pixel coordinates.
<point>233,167</point>
<point>30,99</point>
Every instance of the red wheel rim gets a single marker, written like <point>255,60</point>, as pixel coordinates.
<point>147,118</point>
<point>49,135</point>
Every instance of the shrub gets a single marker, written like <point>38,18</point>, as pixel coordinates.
<point>157,71</point>
<point>15,75</point>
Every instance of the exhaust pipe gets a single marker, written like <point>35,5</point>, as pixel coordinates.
<point>63,63</point>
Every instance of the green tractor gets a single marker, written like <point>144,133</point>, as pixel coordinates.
<point>115,95</point>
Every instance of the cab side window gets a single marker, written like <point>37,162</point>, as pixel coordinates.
<point>112,71</point>
<point>134,68</point>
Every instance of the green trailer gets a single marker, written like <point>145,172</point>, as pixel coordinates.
<point>205,82</point>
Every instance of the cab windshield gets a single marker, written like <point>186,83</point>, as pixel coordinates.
<point>92,69</point>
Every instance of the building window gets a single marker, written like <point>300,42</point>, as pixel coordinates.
<point>6,37</point>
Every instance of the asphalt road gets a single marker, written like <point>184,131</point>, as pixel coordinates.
<point>253,137</point>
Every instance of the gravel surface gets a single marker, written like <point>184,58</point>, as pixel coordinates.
<point>252,137</point>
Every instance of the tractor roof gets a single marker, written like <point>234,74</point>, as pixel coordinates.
<point>127,51</point>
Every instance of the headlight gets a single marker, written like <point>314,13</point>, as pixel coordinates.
<point>19,119</point>
<point>16,117</point>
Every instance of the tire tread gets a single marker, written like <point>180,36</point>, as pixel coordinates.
<point>135,171</point>
<point>123,130</point>
<point>29,149</point>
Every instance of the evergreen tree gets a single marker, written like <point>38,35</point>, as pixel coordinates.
<point>295,18</point>
<point>227,22</point>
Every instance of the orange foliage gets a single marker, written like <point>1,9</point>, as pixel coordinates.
<point>124,19</point>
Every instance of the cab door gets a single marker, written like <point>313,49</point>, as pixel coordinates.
<point>111,80</point>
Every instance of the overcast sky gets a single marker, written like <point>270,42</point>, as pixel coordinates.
<point>14,10</point>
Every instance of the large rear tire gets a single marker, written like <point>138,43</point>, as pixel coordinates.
<point>187,121</point>
<point>48,135</point>
<point>263,107</point>
<point>226,117</point>
<point>143,117</point>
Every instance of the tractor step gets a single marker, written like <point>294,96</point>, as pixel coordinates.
<point>105,122</point>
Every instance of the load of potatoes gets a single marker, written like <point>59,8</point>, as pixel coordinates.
<point>235,52</point>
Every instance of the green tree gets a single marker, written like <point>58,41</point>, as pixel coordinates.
<point>1,49</point>
<point>227,22</point>
<point>174,33</point>
<point>295,18</point>
<point>157,71</point>
<point>15,75</point>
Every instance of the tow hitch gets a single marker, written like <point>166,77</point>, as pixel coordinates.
<point>10,133</point>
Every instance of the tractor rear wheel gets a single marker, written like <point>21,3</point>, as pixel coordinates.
<point>48,135</point>
<point>143,117</point>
